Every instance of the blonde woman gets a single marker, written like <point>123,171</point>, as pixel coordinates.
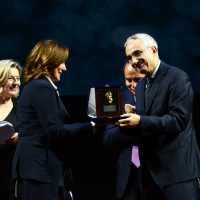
<point>10,72</point>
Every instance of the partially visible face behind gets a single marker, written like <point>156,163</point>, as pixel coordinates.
<point>147,61</point>
<point>132,77</point>
<point>56,73</point>
<point>11,86</point>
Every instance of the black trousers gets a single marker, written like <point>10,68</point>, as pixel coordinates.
<point>35,190</point>
<point>134,189</point>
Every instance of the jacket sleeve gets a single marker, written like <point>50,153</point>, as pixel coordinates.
<point>45,103</point>
<point>113,136</point>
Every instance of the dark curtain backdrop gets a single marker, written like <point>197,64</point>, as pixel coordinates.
<point>95,32</point>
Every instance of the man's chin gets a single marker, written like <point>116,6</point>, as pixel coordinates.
<point>141,70</point>
<point>132,92</point>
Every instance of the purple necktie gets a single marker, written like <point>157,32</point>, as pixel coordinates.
<point>135,156</point>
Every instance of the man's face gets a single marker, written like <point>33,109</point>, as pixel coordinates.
<point>132,77</point>
<point>144,59</point>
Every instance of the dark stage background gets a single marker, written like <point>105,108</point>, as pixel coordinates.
<point>95,31</point>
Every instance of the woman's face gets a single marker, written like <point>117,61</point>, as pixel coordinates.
<point>56,73</point>
<point>11,86</point>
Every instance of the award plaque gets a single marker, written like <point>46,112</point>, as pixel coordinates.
<point>105,102</point>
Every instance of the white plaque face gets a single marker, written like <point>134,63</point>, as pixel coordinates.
<point>92,104</point>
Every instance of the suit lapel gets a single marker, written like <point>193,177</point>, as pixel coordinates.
<point>155,85</point>
<point>59,101</point>
<point>140,97</point>
<point>130,99</point>
<point>62,106</point>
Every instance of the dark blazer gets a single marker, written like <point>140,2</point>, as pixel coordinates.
<point>168,146</point>
<point>112,137</point>
<point>44,131</point>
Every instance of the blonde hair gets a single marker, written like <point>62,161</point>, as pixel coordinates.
<point>5,66</point>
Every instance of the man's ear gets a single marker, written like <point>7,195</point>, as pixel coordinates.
<point>155,50</point>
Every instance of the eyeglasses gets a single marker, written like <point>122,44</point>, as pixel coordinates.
<point>135,54</point>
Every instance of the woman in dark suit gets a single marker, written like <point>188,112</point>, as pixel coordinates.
<point>10,72</point>
<point>40,165</point>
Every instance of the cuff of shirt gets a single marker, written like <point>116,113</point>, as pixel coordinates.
<point>94,126</point>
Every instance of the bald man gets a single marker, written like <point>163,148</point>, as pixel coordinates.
<point>128,174</point>
<point>132,77</point>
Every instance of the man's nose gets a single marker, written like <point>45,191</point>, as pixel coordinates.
<point>134,60</point>
<point>133,84</point>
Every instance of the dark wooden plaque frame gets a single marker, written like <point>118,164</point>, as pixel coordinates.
<point>102,101</point>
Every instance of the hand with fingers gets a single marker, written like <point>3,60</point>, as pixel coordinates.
<point>129,108</point>
<point>13,140</point>
<point>130,120</point>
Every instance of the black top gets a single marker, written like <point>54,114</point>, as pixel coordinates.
<point>12,118</point>
<point>6,154</point>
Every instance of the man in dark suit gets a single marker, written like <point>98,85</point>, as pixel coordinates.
<point>128,174</point>
<point>168,149</point>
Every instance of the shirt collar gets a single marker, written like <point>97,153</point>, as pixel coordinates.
<point>155,71</point>
<point>52,84</point>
